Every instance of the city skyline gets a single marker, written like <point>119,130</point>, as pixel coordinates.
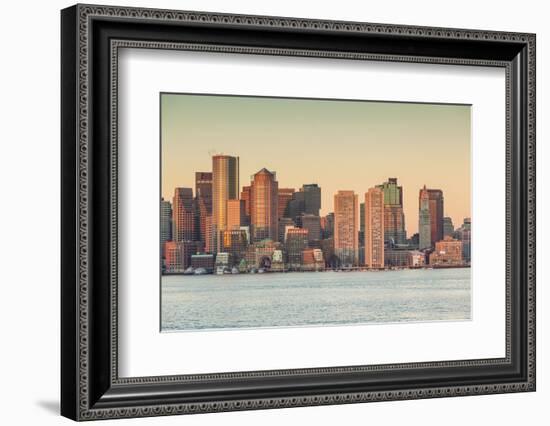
<point>433,142</point>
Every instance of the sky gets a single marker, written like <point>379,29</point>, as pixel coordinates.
<point>338,144</point>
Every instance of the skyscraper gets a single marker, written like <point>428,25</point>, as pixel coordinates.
<point>374,227</point>
<point>394,218</point>
<point>436,215</point>
<point>245,196</point>
<point>424,221</point>
<point>285,196</point>
<point>295,241</point>
<point>312,198</point>
<point>448,228</point>
<point>263,205</point>
<point>225,186</point>
<point>346,227</point>
<point>183,215</point>
<point>165,223</point>
<point>313,224</point>
<point>235,214</point>
<point>203,203</point>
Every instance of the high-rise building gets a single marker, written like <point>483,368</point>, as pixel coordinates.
<point>165,223</point>
<point>374,228</point>
<point>424,220</point>
<point>263,206</point>
<point>234,242</point>
<point>235,214</point>
<point>327,225</point>
<point>285,196</point>
<point>295,241</point>
<point>245,196</point>
<point>312,198</point>
<point>203,203</point>
<point>225,186</point>
<point>464,234</point>
<point>183,215</point>
<point>394,218</point>
<point>448,228</point>
<point>306,200</point>
<point>209,243</point>
<point>313,224</point>
<point>436,215</point>
<point>178,255</point>
<point>346,227</point>
<point>284,222</point>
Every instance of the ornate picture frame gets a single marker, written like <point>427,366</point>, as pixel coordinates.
<point>91,37</point>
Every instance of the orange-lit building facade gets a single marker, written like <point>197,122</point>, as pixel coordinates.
<point>264,206</point>
<point>374,228</point>
<point>447,252</point>
<point>285,195</point>
<point>225,186</point>
<point>183,215</point>
<point>346,227</point>
<point>235,214</point>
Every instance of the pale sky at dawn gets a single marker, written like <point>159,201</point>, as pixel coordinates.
<point>350,145</point>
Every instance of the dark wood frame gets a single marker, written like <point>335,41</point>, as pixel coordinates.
<point>90,386</point>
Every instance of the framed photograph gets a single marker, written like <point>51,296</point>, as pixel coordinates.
<point>263,212</point>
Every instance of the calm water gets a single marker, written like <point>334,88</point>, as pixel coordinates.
<point>309,298</point>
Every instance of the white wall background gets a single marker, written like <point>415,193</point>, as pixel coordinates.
<point>29,212</point>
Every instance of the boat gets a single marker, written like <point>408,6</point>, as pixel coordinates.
<point>261,271</point>
<point>189,271</point>
<point>200,271</point>
<point>234,270</point>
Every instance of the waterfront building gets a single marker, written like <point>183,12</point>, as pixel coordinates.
<point>285,196</point>
<point>263,205</point>
<point>447,252</point>
<point>203,203</point>
<point>235,214</point>
<point>346,228</point>
<point>223,260</point>
<point>448,228</point>
<point>165,223</point>
<point>225,186</point>
<point>327,246</point>
<point>394,218</point>
<point>264,252</point>
<point>312,260</point>
<point>277,261</point>
<point>205,261</point>
<point>397,257</point>
<point>313,224</point>
<point>183,215</point>
<point>234,242</point>
<point>296,240</point>
<point>374,228</point>
<point>424,220</point>
<point>417,259</point>
<point>177,255</point>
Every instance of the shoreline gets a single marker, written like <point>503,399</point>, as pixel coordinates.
<point>352,269</point>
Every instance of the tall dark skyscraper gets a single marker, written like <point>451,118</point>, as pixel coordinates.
<point>394,218</point>
<point>165,223</point>
<point>436,215</point>
<point>312,198</point>
<point>306,200</point>
<point>424,220</point>
<point>203,203</point>
<point>183,215</point>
